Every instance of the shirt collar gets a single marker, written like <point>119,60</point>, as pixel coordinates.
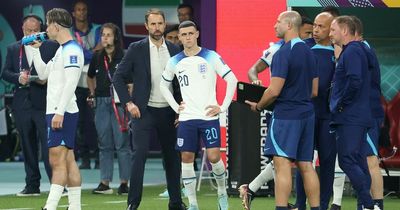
<point>164,45</point>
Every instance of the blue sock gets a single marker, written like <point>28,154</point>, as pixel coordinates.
<point>379,202</point>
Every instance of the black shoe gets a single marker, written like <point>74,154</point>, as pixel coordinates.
<point>85,164</point>
<point>123,189</point>
<point>335,207</point>
<point>132,207</point>
<point>28,192</point>
<point>103,189</point>
<point>180,206</point>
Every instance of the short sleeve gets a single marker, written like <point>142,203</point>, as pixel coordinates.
<point>72,56</point>
<point>269,53</point>
<point>169,71</point>
<point>280,65</point>
<point>221,67</point>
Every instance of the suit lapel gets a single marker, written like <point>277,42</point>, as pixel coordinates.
<point>146,51</point>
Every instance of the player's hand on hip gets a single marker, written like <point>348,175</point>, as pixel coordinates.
<point>252,105</point>
<point>133,109</point>
<point>176,122</point>
<point>181,107</point>
<point>213,110</point>
<point>57,121</point>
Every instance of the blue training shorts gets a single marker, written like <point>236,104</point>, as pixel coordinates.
<point>190,131</point>
<point>371,147</point>
<point>64,136</point>
<point>293,139</point>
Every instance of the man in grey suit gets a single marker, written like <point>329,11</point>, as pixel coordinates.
<point>151,115</point>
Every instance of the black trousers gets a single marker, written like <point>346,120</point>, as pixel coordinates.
<point>157,122</point>
<point>31,126</point>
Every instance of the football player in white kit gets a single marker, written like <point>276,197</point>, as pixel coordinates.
<point>62,74</point>
<point>196,69</point>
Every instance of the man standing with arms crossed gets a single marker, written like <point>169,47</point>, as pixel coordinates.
<point>350,107</point>
<point>62,74</point>
<point>291,134</point>
<point>197,69</point>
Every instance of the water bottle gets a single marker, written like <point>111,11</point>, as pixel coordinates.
<point>27,40</point>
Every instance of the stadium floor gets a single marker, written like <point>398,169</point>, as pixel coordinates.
<point>12,181</point>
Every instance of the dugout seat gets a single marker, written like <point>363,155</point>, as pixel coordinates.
<point>392,110</point>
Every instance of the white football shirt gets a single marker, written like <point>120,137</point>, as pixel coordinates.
<point>197,76</point>
<point>62,74</point>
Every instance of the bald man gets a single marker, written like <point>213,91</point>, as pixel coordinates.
<point>294,80</point>
<point>323,50</point>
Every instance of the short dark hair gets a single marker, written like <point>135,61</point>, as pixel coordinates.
<point>153,11</point>
<point>183,5</point>
<point>348,22</point>
<point>358,24</point>
<point>334,11</point>
<point>170,28</point>
<point>306,20</point>
<point>60,16</point>
<point>187,23</point>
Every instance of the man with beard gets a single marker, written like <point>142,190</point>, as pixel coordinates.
<point>144,62</point>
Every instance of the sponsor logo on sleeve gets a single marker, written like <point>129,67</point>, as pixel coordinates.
<point>73,59</point>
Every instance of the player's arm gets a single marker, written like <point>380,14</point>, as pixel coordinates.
<point>264,62</point>
<point>227,74</point>
<point>73,64</point>
<point>231,82</point>
<point>41,67</point>
<point>165,82</point>
<point>279,74</point>
<point>253,72</point>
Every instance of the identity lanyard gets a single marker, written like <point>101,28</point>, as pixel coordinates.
<point>20,61</point>
<point>79,38</point>
<point>123,123</point>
